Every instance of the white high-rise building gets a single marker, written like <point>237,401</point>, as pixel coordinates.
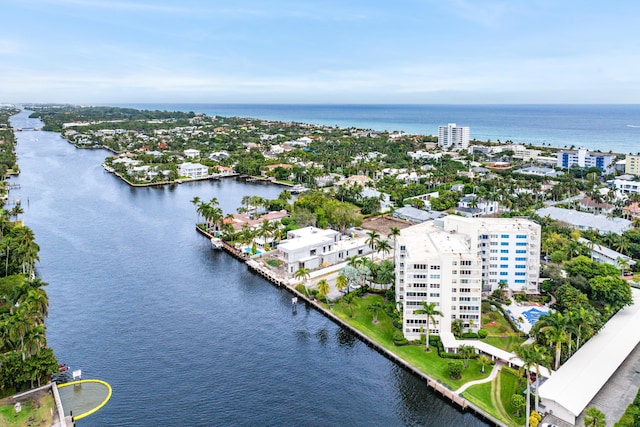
<point>448,261</point>
<point>452,137</point>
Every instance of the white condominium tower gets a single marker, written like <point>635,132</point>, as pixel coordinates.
<point>452,137</point>
<point>447,262</point>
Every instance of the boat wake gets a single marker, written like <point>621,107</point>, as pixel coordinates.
<point>633,126</point>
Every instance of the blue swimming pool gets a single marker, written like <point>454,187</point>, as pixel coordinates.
<point>533,315</point>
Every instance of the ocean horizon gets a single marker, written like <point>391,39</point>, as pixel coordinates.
<point>604,127</point>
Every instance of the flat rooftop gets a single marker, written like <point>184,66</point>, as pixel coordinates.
<point>426,238</point>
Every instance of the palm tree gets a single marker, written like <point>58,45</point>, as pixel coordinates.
<point>350,301</point>
<point>384,247</point>
<point>355,261</point>
<point>466,351</point>
<point>483,360</point>
<point>554,328</point>
<point>525,353</point>
<point>195,202</point>
<point>341,282</point>
<point>372,241</point>
<point>394,232</point>
<point>374,309</point>
<point>594,417</point>
<point>586,323</point>
<point>429,309</point>
<point>302,274</point>
<point>323,289</point>
<point>623,263</point>
<point>265,231</point>
<point>456,327</point>
<point>539,357</point>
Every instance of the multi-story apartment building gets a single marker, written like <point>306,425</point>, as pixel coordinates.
<point>452,137</point>
<point>632,164</point>
<point>586,159</point>
<point>447,261</point>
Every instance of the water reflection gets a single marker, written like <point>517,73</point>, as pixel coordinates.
<point>346,338</point>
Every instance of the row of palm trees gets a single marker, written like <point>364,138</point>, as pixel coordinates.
<point>219,224</point>
<point>24,306</point>
<point>377,243</point>
<point>568,330</point>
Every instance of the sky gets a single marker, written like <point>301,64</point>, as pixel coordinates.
<point>320,51</point>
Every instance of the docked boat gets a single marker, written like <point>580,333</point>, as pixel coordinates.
<point>216,243</point>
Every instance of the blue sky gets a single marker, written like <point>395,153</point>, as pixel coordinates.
<point>320,51</point>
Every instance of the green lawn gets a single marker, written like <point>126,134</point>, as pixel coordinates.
<point>382,332</point>
<point>34,413</point>
<point>481,395</point>
<point>501,335</point>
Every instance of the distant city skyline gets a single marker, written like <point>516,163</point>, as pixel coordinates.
<point>360,52</point>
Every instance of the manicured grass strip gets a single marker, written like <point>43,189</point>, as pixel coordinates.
<point>480,395</point>
<point>509,387</point>
<point>495,397</point>
<point>382,332</point>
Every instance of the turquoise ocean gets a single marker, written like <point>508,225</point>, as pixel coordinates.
<point>613,128</point>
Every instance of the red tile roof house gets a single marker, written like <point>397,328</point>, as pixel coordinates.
<point>632,210</point>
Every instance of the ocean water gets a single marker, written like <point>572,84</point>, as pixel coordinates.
<point>596,127</point>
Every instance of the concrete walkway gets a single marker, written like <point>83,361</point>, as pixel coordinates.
<point>494,372</point>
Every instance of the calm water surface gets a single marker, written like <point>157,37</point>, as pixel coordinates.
<point>596,127</point>
<point>187,336</point>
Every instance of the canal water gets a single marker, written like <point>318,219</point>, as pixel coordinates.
<point>187,336</point>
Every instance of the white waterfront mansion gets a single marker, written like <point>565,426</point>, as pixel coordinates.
<point>313,247</point>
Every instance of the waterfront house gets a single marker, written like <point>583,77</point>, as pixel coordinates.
<point>193,170</point>
<point>224,170</point>
<point>313,247</point>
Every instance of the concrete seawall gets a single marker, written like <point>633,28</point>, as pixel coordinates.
<point>444,391</point>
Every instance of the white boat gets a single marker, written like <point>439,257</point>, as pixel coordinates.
<point>216,243</point>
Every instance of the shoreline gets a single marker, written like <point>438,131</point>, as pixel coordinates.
<point>445,393</point>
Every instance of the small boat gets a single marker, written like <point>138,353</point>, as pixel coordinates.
<point>216,243</point>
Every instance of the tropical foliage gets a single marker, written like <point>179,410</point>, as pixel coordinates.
<point>25,360</point>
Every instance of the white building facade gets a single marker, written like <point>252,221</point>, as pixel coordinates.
<point>448,261</point>
<point>313,247</point>
<point>193,170</point>
<point>586,159</point>
<point>452,137</point>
